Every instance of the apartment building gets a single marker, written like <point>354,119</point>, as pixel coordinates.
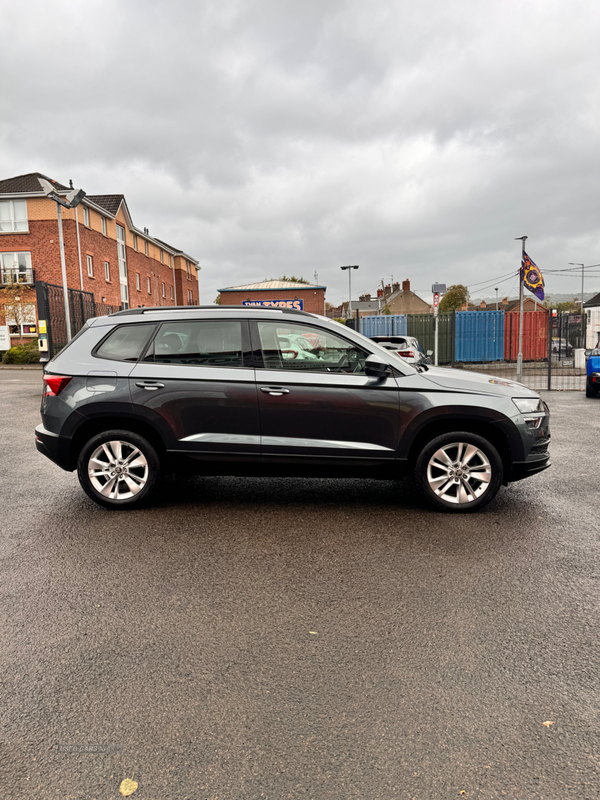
<point>105,253</point>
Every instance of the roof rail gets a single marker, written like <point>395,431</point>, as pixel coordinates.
<point>148,309</point>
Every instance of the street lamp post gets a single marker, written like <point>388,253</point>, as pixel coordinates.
<point>350,267</point>
<point>583,331</point>
<point>496,290</point>
<point>520,353</point>
<point>73,198</point>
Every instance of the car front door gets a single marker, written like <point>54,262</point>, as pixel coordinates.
<point>317,404</point>
<point>196,382</point>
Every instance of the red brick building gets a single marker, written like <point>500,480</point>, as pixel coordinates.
<point>105,253</point>
<point>301,296</point>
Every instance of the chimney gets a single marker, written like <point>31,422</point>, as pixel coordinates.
<point>379,292</point>
<point>406,286</point>
<point>388,289</point>
<point>395,287</point>
<point>368,298</point>
<point>362,297</point>
<point>483,304</point>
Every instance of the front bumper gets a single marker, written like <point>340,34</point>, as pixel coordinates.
<point>534,463</point>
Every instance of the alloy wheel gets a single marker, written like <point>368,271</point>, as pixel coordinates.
<point>118,470</point>
<point>459,473</point>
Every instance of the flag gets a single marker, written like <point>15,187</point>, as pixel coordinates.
<point>532,277</point>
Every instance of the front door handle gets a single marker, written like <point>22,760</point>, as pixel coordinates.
<point>275,391</point>
<point>151,386</point>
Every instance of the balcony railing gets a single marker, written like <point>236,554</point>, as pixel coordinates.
<point>12,275</point>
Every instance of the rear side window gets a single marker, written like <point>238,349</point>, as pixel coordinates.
<point>125,343</point>
<point>206,343</point>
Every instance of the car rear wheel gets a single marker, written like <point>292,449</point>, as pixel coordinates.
<point>118,469</point>
<point>459,472</point>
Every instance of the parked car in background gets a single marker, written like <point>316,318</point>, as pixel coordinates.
<point>407,347</point>
<point>592,382</point>
<point>232,390</point>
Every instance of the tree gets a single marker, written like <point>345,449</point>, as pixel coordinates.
<point>218,300</point>
<point>572,306</point>
<point>12,302</point>
<point>455,297</point>
<point>291,279</point>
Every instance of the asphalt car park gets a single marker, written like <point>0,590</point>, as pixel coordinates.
<point>275,638</point>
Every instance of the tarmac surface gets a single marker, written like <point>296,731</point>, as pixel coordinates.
<point>299,638</point>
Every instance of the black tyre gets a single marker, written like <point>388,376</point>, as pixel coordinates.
<point>459,472</point>
<point>118,469</point>
<point>590,389</point>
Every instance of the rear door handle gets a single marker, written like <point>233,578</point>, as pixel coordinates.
<point>275,391</point>
<point>150,385</point>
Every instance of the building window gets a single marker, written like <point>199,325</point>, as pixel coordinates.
<point>146,248</point>
<point>149,285</point>
<point>107,271</point>
<point>86,217</point>
<point>161,256</point>
<point>137,281</point>
<point>15,268</point>
<point>163,290</point>
<point>90,266</point>
<point>13,216</point>
<point>103,225</point>
<point>134,242</point>
<point>171,292</point>
<point>190,297</point>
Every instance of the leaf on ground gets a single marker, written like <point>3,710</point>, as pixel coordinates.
<point>548,723</point>
<point>314,633</point>
<point>128,787</point>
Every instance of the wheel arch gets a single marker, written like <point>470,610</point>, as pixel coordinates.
<point>95,425</point>
<point>495,431</point>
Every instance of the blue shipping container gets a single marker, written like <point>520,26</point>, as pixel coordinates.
<point>385,325</point>
<point>479,336</point>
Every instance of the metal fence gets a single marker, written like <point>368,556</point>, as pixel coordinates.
<point>51,309</point>
<point>488,342</point>
<point>422,327</point>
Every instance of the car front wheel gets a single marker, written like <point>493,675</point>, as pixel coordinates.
<point>459,471</point>
<point>118,469</point>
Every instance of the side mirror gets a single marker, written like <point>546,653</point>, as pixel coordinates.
<point>430,352</point>
<point>376,367</point>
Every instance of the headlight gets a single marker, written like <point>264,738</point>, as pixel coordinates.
<point>532,408</point>
<point>528,405</point>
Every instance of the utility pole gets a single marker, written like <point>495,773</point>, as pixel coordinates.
<point>520,353</point>
<point>583,331</point>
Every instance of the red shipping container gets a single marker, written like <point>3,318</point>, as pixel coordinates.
<point>535,336</point>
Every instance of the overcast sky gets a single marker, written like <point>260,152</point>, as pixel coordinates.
<point>270,137</point>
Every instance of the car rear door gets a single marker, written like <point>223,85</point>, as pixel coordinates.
<point>196,382</point>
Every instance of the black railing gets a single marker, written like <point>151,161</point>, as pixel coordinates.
<point>51,309</point>
<point>15,275</point>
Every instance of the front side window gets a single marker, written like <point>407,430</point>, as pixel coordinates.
<point>206,343</point>
<point>13,216</point>
<point>125,343</point>
<point>303,348</point>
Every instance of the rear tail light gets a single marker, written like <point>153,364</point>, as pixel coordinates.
<point>55,384</point>
<point>406,353</point>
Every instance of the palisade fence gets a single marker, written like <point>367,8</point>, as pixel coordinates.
<point>51,308</point>
<point>488,342</point>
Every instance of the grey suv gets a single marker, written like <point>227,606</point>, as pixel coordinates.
<point>263,391</point>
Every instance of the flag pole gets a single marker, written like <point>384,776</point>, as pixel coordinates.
<point>520,353</point>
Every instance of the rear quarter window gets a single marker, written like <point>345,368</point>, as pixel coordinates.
<point>125,343</point>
